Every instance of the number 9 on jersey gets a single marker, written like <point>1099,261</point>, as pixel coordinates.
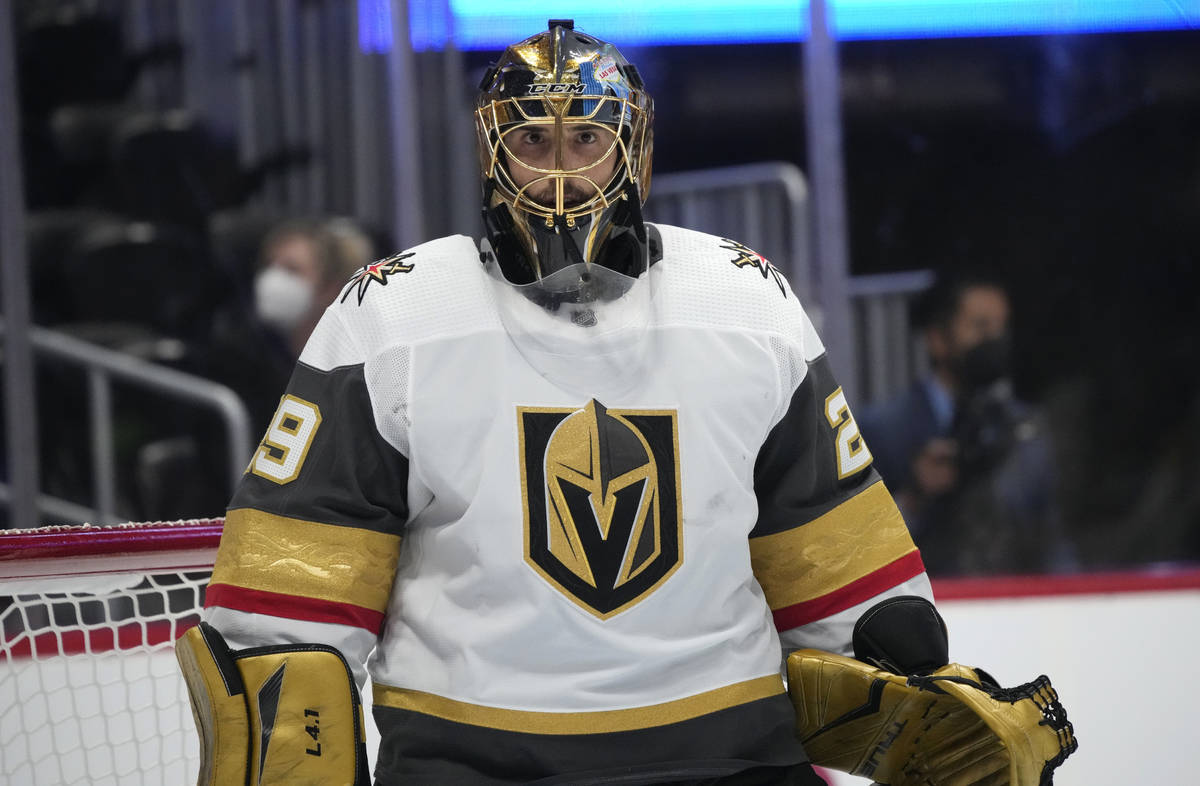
<point>285,446</point>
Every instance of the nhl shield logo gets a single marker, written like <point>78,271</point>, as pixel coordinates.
<point>601,496</point>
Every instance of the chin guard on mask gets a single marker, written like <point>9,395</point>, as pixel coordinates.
<point>624,246</point>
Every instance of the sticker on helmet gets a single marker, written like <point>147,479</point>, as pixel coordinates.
<point>606,69</point>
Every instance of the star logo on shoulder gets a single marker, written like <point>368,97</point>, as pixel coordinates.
<point>376,271</point>
<point>747,257</point>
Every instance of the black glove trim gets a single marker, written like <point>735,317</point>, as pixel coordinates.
<point>903,635</point>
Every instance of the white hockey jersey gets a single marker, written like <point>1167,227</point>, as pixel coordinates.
<point>564,566</point>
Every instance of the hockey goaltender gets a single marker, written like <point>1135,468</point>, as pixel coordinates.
<point>577,499</point>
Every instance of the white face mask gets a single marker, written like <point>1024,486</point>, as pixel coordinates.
<point>282,299</point>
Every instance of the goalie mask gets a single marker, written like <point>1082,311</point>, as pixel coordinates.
<point>563,124</point>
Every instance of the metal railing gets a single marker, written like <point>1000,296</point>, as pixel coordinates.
<point>889,356</point>
<point>102,366</point>
<point>766,207</point>
<point>762,205</point>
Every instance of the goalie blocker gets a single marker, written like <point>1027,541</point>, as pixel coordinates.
<point>288,714</point>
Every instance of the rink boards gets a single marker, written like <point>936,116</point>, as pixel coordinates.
<point>1119,650</point>
<point>104,719</point>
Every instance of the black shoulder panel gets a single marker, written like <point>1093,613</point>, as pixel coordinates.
<point>347,474</point>
<point>796,474</point>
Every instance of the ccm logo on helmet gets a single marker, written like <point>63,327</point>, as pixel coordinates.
<point>557,88</point>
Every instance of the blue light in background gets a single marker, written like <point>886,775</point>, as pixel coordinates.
<point>430,25</point>
<point>633,23</point>
<point>489,24</point>
<point>374,26</point>
<point>869,19</point>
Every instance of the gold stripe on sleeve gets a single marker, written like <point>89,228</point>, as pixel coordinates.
<point>599,722</point>
<point>859,536</point>
<point>262,551</point>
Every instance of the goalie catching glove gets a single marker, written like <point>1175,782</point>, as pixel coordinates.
<point>950,728</point>
<point>287,714</point>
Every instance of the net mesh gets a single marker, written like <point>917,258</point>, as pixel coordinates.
<point>90,692</point>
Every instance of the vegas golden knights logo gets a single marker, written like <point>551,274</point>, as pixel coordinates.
<point>601,497</point>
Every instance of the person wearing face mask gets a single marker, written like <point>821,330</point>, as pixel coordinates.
<point>969,463</point>
<point>304,264</point>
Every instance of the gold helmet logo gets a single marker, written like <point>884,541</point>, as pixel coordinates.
<point>602,512</point>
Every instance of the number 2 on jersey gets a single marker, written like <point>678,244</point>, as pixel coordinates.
<point>852,453</point>
<point>290,435</point>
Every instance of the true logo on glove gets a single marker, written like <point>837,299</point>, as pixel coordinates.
<point>881,748</point>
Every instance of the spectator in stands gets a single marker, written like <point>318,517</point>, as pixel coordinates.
<point>304,265</point>
<point>969,464</point>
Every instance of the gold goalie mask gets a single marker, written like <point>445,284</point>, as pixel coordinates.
<point>564,132</point>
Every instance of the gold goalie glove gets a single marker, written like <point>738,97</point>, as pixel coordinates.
<point>287,714</point>
<point>950,728</point>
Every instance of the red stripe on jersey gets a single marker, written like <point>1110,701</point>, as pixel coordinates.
<point>857,591</point>
<point>292,607</point>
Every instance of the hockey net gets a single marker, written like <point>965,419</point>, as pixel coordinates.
<point>90,692</point>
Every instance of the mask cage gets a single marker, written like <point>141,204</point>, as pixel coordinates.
<point>620,115</point>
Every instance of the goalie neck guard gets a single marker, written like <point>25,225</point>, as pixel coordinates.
<point>564,131</point>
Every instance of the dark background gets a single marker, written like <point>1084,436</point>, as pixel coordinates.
<point>1069,166</point>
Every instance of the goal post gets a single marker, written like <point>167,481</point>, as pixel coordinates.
<point>90,692</point>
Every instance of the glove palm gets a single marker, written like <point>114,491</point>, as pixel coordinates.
<point>947,729</point>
